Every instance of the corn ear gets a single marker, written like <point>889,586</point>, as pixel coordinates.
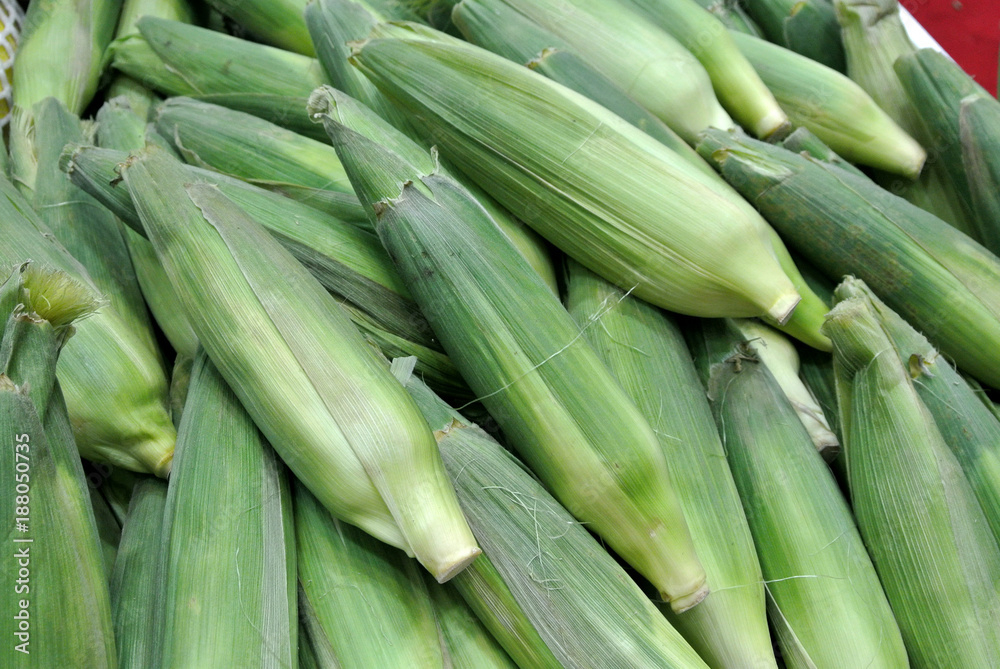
<point>59,54</point>
<point>835,108</point>
<point>923,527</point>
<point>54,572</point>
<point>968,427</point>
<point>257,151</point>
<point>136,597</point>
<point>341,422</point>
<point>538,379</point>
<point>736,82</point>
<point>334,24</point>
<point>646,352</point>
<point>369,603</point>
<point>782,361</point>
<point>810,550</point>
<point>807,27</point>
<point>466,640</point>
<point>585,608</point>
<point>136,436</point>
<point>278,23</point>
<point>979,133</point>
<point>624,46</point>
<point>175,58</point>
<point>935,277</point>
<point>874,39</point>
<point>629,228</point>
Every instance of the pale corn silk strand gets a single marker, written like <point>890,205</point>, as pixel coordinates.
<point>12,19</point>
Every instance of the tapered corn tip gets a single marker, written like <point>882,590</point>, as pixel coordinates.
<point>911,157</point>
<point>156,454</point>
<point>451,568</point>
<point>781,311</point>
<point>687,602</point>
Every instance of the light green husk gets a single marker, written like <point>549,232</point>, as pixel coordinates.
<point>136,598</point>
<point>782,361</point>
<point>322,395</point>
<point>835,108</point>
<point>230,569</point>
<point>53,572</point>
<point>109,531</point>
<point>646,352</point>
<point>944,283</point>
<point>808,27</point>
<point>874,39</point>
<point>257,151</point>
<point>276,22</point>
<point>500,28</point>
<point>586,609</point>
<point>736,82</point>
<point>659,73</point>
<point>552,396</point>
<point>336,23</point>
<point>979,132</point>
<point>466,640</point>
<point>607,194</point>
<point>366,603</point>
<point>931,544</point>
<point>732,14</point>
<point>809,548</point>
<point>136,433</point>
<point>804,141</point>
<point>59,54</point>
<point>968,426</point>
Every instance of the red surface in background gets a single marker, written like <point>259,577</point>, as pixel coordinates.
<point>969,30</point>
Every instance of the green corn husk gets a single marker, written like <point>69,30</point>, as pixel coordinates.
<point>968,427</point>
<point>624,46</point>
<point>633,230</point>
<point>646,352</point>
<point>139,97</point>
<point>53,572</point>
<point>736,82</point>
<point>935,86</point>
<point>136,598</point>
<point>835,108</point>
<point>484,590</point>
<point>89,232</point>
<point>346,260</point>
<point>278,23</point>
<point>979,120</point>
<point>229,565</point>
<point>804,141</point>
<point>179,59</point>
<point>259,152</point>
<point>308,658</point>
<point>538,379</point>
<point>809,548</point>
<point>923,527</point>
<point>782,361</point>
<point>807,27</point>
<point>137,435</point>
<point>322,396</point>
<point>586,609</point>
<point>874,39</point>
<point>349,262</point>
<point>816,372</point>
<point>121,128</point>
<point>59,54</point>
<point>466,640</point>
<point>335,23</point>
<point>934,276</point>
<point>500,28</point>
<point>366,602</point>
<point>109,531</point>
